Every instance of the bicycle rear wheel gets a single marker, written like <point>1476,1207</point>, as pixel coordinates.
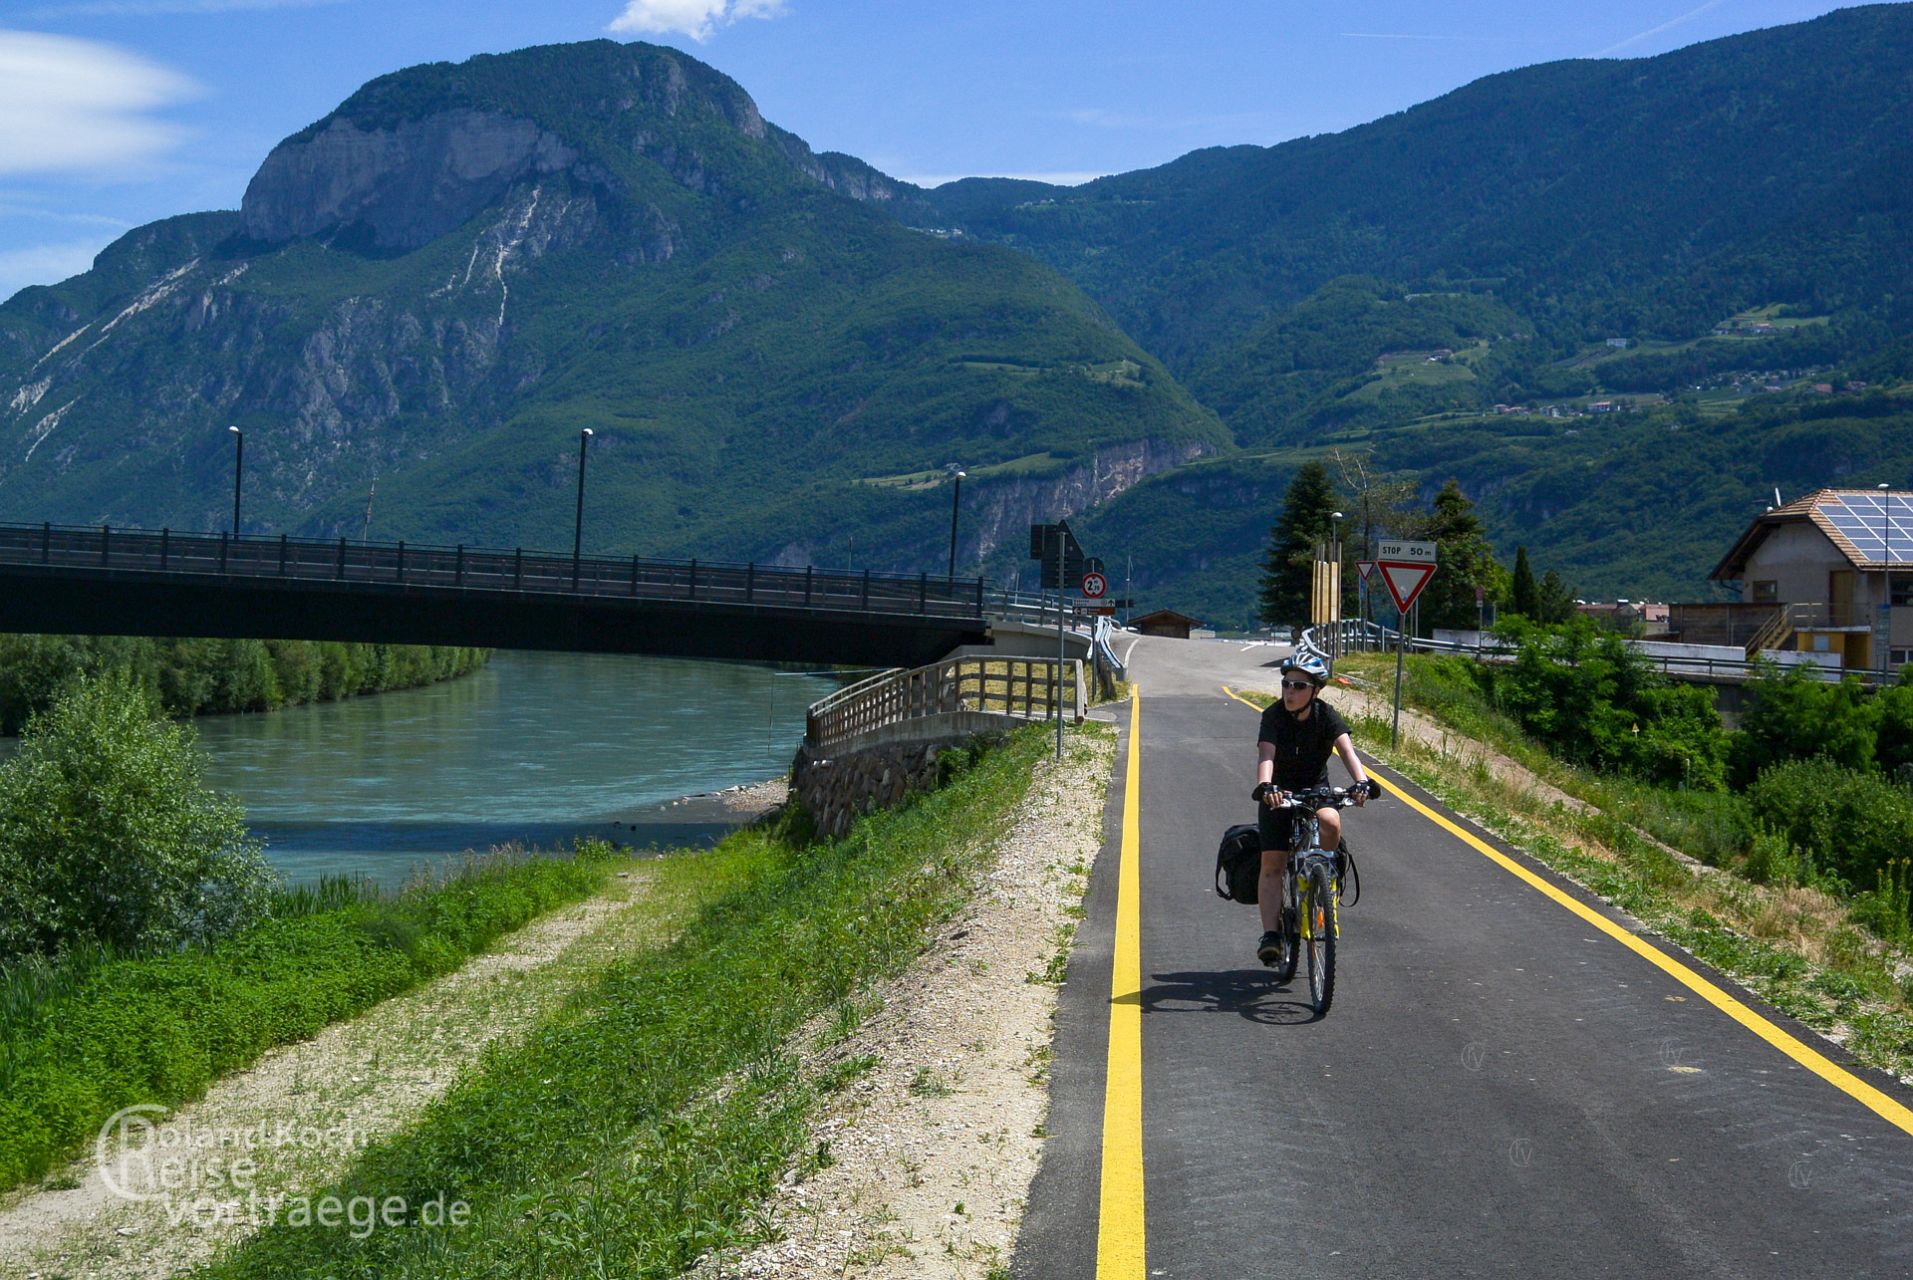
<point>1318,935</point>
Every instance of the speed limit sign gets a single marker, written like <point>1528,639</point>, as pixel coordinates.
<point>1095,585</point>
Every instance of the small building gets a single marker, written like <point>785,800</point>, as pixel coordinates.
<point>1645,616</point>
<point>1165,622</point>
<point>1829,573</point>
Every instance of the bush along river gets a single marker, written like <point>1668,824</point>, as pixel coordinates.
<point>535,749</point>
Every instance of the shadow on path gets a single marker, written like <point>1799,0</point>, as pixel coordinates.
<point>1247,993</point>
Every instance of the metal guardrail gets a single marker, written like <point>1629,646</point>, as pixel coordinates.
<point>251,556</point>
<point>1014,688</point>
<point>1723,670</point>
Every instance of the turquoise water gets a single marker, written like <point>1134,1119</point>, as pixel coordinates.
<point>535,749</point>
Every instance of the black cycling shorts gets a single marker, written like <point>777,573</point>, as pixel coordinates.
<point>1276,827</point>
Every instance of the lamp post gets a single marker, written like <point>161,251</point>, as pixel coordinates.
<point>578,525</point>
<point>956,493</point>
<point>238,464</point>
<point>1335,578</point>
<point>1886,574</point>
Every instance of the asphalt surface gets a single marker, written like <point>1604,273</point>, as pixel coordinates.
<point>1499,1089</point>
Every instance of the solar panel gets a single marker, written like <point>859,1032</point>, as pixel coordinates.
<point>1878,525</point>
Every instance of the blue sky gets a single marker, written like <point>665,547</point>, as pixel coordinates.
<point>114,113</point>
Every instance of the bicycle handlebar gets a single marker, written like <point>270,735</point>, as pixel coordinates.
<point>1325,797</point>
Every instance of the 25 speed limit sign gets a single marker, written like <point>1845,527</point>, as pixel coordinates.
<point>1095,586</point>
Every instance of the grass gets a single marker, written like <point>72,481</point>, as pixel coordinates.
<point>635,1130</point>
<point>87,1036</point>
<point>1800,949</point>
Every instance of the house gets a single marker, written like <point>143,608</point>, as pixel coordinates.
<point>1165,622</point>
<point>1650,617</point>
<point>1828,573</point>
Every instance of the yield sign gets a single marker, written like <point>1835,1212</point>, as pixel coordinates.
<point>1367,567</point>
<point>1405,579</point>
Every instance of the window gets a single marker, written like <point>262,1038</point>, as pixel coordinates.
<point>1766,592</point>
<point>1902,589</point>
<point>1899,658</point>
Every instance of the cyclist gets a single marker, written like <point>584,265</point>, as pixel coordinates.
<point>1298,735</point>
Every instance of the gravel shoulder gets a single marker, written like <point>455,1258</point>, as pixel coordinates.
<point>350,1085</point>
<point>934,1146</point>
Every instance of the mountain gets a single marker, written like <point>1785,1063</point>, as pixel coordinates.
<point>434,288</point>
<point>1620,301</point>
<point>1645,197</point>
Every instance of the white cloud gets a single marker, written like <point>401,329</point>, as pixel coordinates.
<point>698,19</point>
<point>68,104</point>
<point>46,263</point>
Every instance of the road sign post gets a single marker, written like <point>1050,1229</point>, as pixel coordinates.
<point>1057,698</point>
<point>1406,568</point>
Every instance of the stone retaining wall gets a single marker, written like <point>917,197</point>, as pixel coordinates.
<point>839,789</point>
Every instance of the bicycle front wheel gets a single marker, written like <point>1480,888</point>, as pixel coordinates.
<point>1318,936</point>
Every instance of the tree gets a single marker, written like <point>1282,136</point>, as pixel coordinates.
<point>1893,741</point>
<point>1554,602</point>
<point>1797,716</point>
<point>1464,561</point>
<point>108,835</point>
<point>1307,518</point>
<point>1524,596</point>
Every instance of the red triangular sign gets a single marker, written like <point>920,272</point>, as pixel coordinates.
<point>1367,567</point>
<point>1405,579</point>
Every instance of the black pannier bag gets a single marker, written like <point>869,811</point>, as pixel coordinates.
<point>1239,863</point>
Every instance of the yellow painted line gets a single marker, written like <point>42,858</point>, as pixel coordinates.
<point>1804,1054</point>
<point>1119,1231</point>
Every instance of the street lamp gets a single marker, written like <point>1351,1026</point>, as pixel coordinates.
<point>1886,573</point>
<point>238,464</point>
<point>956,492</point>
<point>1335,575</point>
<point>578,526</point>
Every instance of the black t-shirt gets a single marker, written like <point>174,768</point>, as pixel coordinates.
<point>1302,747</point>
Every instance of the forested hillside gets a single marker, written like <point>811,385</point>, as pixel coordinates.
<point>1618,300</point>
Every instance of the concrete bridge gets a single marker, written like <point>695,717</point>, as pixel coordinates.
<point>97,580</point>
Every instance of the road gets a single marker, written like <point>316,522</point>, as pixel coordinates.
<point>1505,1085</point>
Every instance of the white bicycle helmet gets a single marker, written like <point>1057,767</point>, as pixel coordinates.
<point>1309,665</point>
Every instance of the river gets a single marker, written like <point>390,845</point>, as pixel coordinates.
<point>534,748</point>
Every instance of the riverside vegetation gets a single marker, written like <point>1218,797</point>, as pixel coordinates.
<point>145,948</point>
<point>200,676</point>
<point>1796,828</point>
<point>637,1129</point>
<point>636,1126</point>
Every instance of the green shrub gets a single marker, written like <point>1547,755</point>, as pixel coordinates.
<point>1893,727</point>
<point>1797,716</point>
<point>1772,859</point>
<point>1845,822</point>
<point>1887,909</point>
<point>1592,700</point>
<point>107,834</point>
<point>80,1039</point>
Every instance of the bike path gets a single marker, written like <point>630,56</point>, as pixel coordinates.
<point>1501,1088</point>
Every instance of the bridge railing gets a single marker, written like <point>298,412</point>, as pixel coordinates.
<point>1011,688</point>
<point>101,547</point>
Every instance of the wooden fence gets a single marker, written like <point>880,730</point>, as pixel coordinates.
<point>973,691</point>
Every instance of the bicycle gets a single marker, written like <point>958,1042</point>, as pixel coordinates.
<point>1312,921</point>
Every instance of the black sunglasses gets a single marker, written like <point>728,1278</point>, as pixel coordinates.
<point>1298,684</point>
